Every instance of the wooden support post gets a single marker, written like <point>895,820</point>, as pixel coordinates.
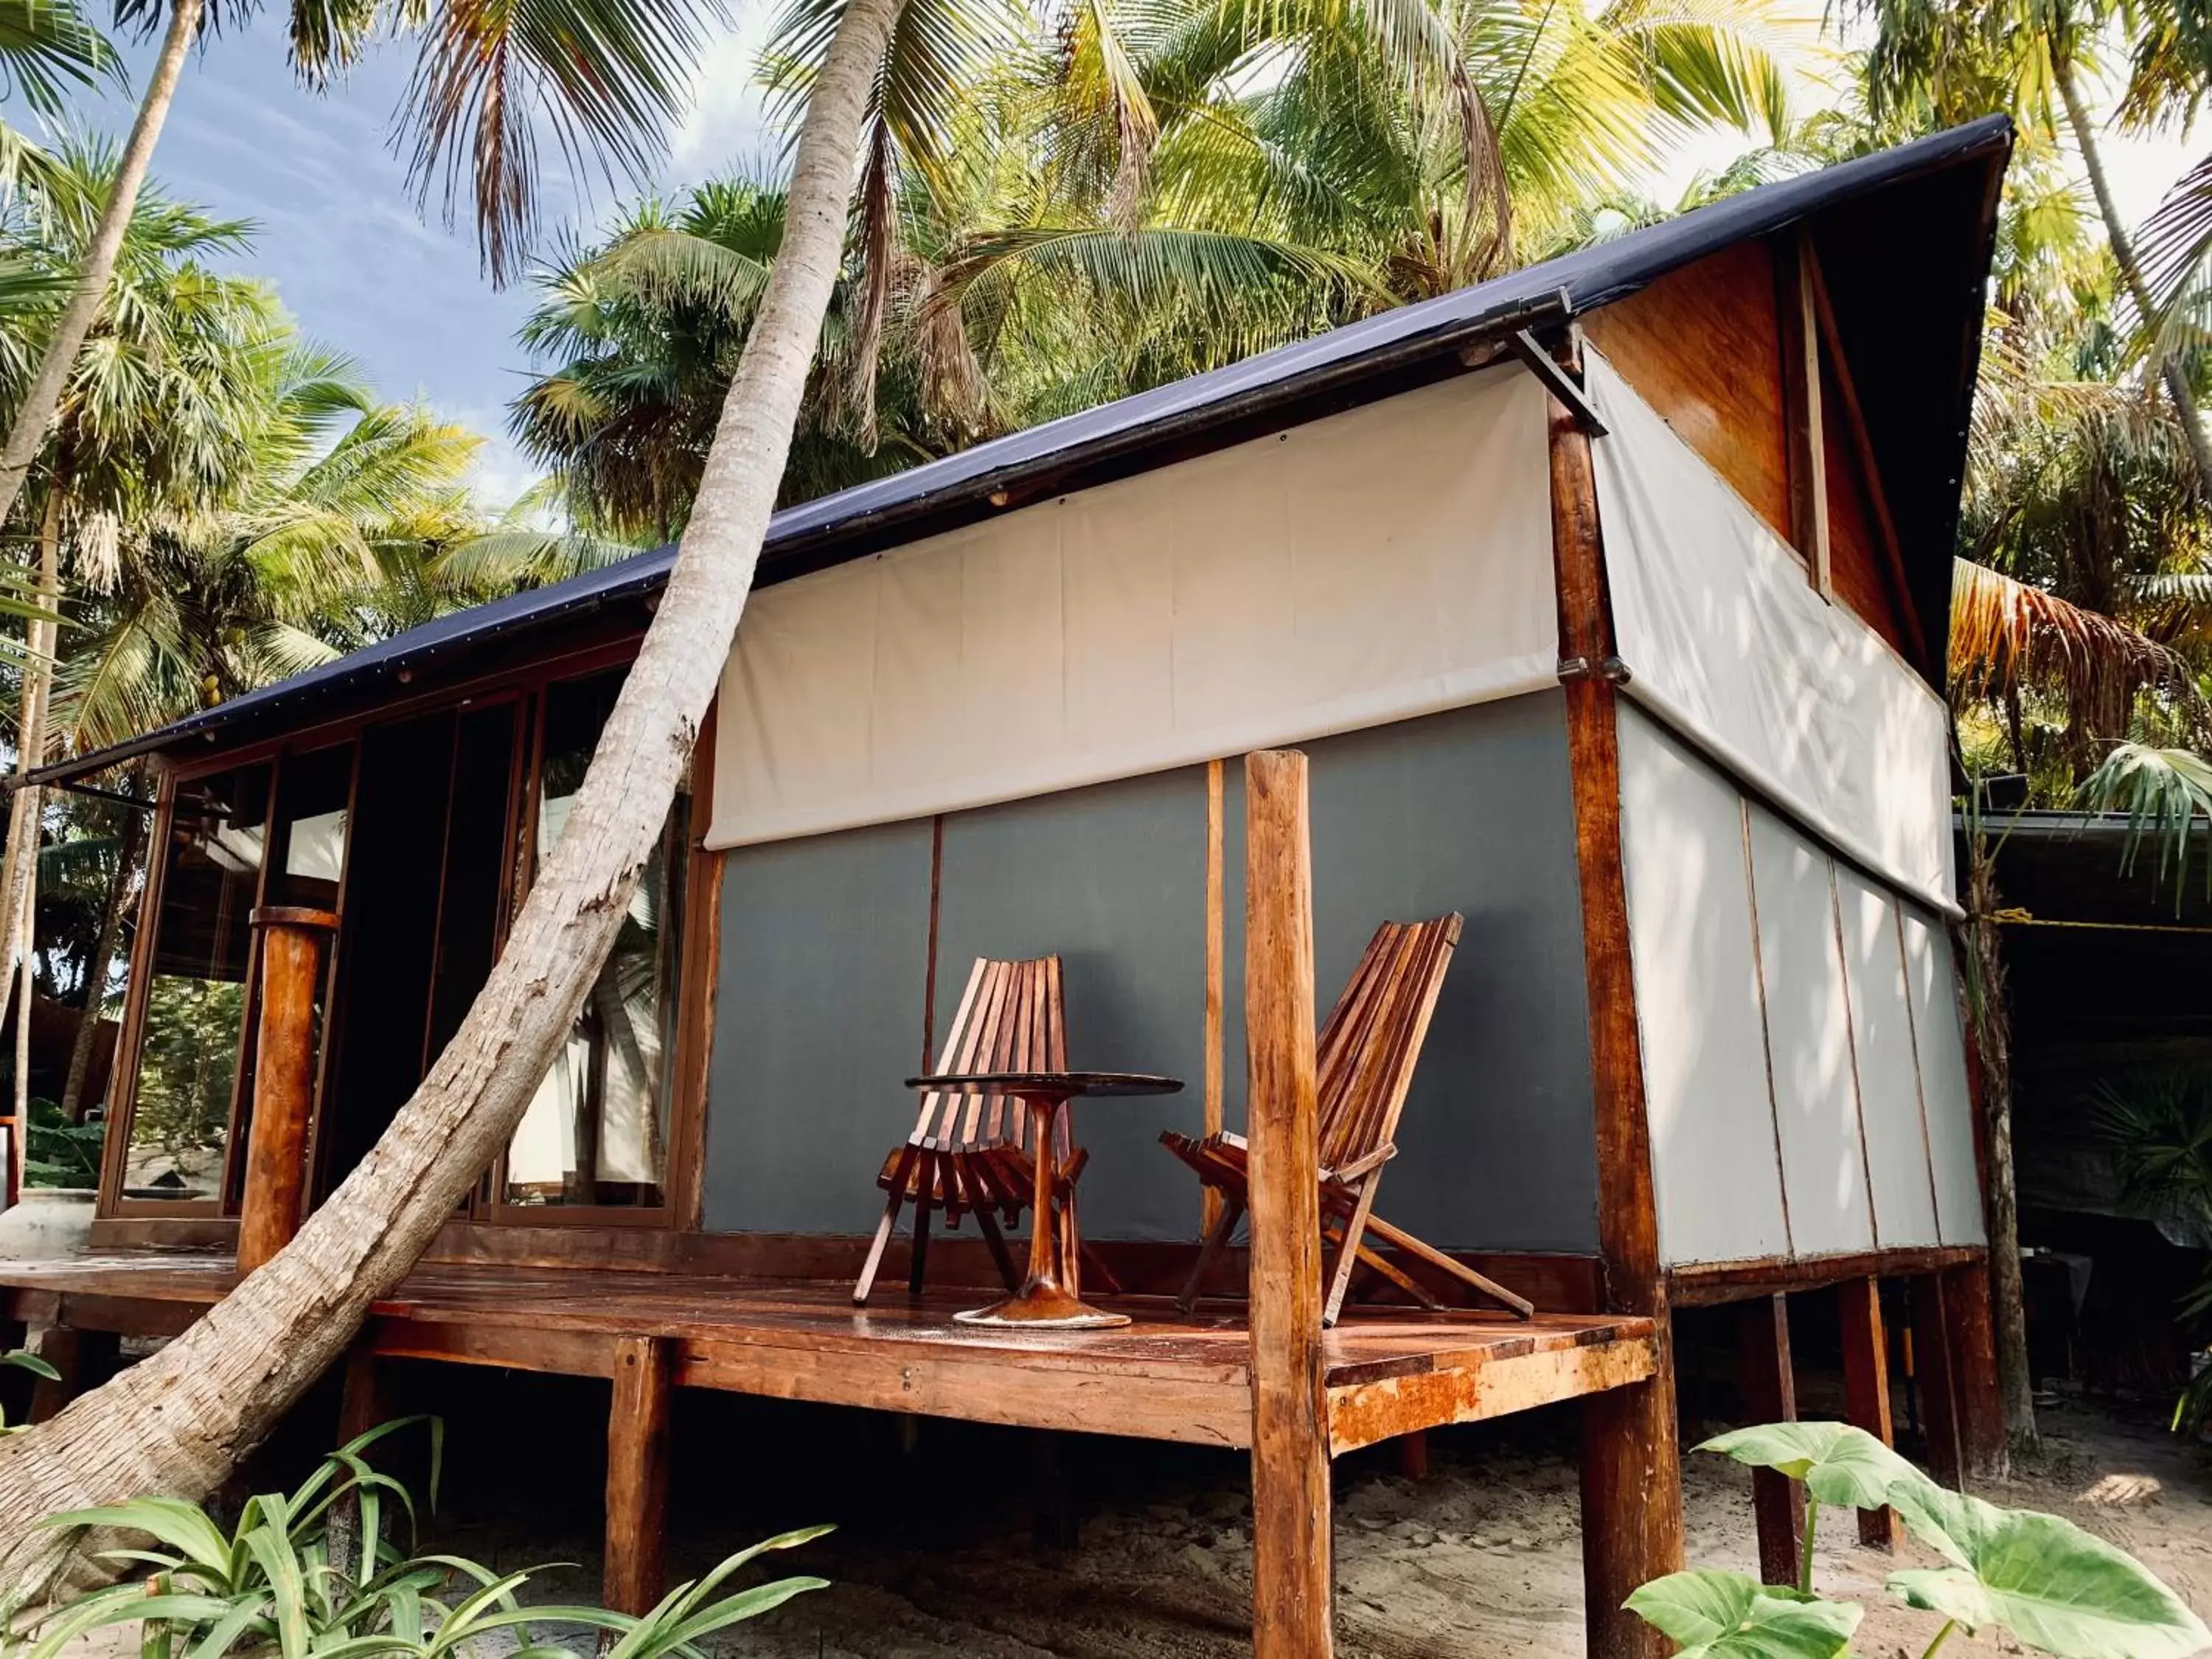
<point>1631,1473</point>
<point>363,1403</point>
<point>1413,1454</point>
<point>1931,1355</point>
<point>637,1474</point>
<point>1969,1323</point>
<point>1290,1541</point>
<point>283,1081</point>
<point>1799,319</point>
<point>1769,1396</point>
<point>1866,1388</point>
<point>85,1359</point>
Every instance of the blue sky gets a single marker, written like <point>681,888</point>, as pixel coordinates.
<point>368,273</point>
<point>340,233</point>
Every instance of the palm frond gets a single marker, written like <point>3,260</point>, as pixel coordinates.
<point>602,80</point>
<point>2168,796</point>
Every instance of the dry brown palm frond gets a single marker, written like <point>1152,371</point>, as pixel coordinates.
<point>2006,635</point>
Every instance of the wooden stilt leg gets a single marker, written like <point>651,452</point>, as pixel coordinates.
<point>637,1474</point>
<point>1631,1507</point>
<point>1769,1396</point>
<point>1939,1409</point>
<point>1069,1241</point>
<point>1866,1388</point>
<point>1631,1473</point>
<point>1216,1237</point>
<point>85,1359</point>
<point>1290,1531</point>
<point>1053,1520</point>
<point>1413,1454</point>
<point>1970,1324</point>
<point>364,1403</point>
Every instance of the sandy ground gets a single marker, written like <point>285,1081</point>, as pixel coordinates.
<point>1481,1557</point>
<point>936,1556</point>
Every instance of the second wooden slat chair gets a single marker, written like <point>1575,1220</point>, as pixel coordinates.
<point>1363,1063</point>
<point>968,1154</point>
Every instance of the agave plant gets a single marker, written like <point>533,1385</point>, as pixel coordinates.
<point>2057,1589</point>
<point>312,1572</point>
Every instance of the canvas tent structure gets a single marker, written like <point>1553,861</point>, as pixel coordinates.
<point>1607,601</point>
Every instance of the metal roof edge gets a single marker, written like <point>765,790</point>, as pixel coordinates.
<point>1565,287</point>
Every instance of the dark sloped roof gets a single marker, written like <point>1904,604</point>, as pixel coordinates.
<point>1904,239</point>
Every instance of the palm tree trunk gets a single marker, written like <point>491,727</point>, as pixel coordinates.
<point>2124,256</point>
<point>18,872</point>
<point>95,972</point>
<point>178,1421</point>
<point>44,399</point>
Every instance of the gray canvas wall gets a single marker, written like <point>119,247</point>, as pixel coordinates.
<point>824,961</point>
<point>1470,811</point>
<point>825,944</point>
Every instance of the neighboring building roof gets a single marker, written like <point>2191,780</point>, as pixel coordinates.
<point>1904,239</point>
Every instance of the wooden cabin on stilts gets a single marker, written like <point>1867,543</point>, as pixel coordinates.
<point>1601,609</point>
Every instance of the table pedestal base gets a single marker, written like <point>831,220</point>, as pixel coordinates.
<point>1043,1307</point>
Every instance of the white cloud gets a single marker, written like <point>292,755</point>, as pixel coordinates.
<point>727,122</point>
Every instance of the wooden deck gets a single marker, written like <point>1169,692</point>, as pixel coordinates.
<point>1163,1377</point>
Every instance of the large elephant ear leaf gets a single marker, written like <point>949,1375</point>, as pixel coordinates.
<point>1725,1616</point>
<point>1839,1465</point>
<point>2058,1588</point>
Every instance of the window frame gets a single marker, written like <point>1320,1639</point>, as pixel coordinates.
<point>126,1221</point>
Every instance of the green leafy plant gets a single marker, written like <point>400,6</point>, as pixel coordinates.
<point>61,1153</point>
<point>27,1362</point>
<point>312,1572</point>
<point>2055,1587</point>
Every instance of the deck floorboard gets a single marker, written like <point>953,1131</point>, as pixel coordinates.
<point>1165,1375</point>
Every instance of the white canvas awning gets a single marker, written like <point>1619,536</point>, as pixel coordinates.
<point>1729,643</point>
<point>1385,562</point>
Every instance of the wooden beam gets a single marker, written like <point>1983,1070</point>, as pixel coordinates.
<point>1931,1368</point>
<point>283,1081</point>
<point>1704,1285</point>
<point>1769,1396</point>
<point>1866,1388</point>
<point>1798,315</point>
<point>635,1574</point>
<point>1631,1475</point>
<point>1970,1325</point>
<point>1291,1541</point>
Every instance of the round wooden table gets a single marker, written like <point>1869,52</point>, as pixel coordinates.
<point>1043,1303</point>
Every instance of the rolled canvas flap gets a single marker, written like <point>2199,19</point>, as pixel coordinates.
<point>1383,563</point>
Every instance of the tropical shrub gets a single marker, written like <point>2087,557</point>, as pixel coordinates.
<point>38,1367</point>
<point>313,1573</point>
<point>61,1153</point>
<point>2056,1588</point>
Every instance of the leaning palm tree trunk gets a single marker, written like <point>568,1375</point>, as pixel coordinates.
<point>95,971</point>
<point>178,1421</point>
<point>2130,268</point>
<point>36,415</point>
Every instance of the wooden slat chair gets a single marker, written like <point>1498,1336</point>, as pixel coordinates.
<point>968,1154</point>
<point>1363,1063</point>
